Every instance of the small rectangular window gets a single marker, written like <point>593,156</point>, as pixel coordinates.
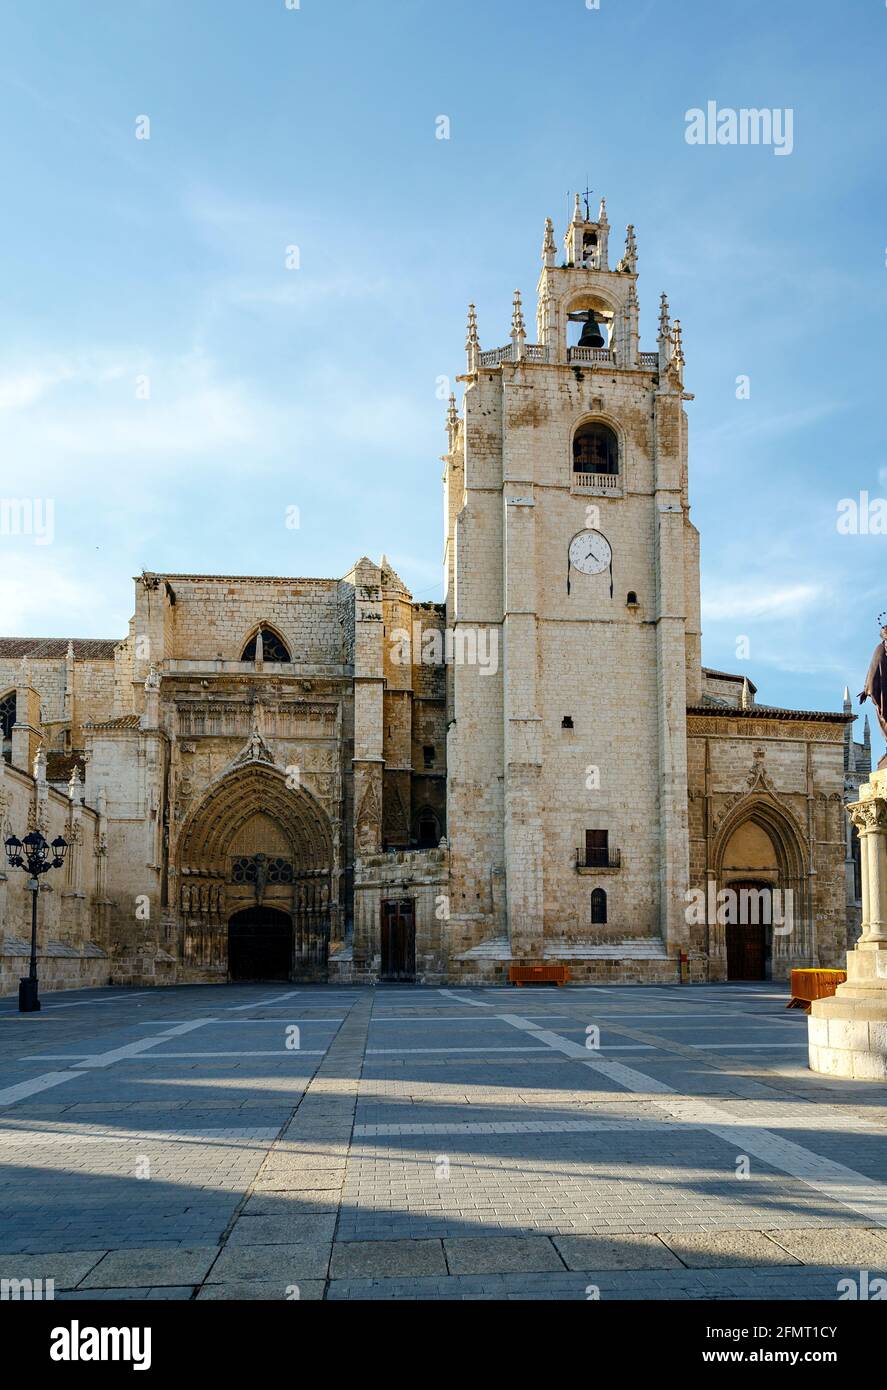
<point>428,754</point>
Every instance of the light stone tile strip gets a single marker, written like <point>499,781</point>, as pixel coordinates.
<point>24,1089</point>
<point>832,1180</point>
<point>324,1119</point>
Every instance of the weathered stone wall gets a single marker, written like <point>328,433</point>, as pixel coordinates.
<point>73,944</point>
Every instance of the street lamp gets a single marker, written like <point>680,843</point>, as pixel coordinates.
<point>36,857</point>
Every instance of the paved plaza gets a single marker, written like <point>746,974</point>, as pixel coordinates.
<point>282,1142</point>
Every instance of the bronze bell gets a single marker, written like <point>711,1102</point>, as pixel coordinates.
<point>591,336</point>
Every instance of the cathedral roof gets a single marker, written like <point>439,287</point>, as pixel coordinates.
<point>771,712</point>
<point>44,648</point>
<point>728,676</point>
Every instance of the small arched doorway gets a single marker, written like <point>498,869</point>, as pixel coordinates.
<point>260,944</point>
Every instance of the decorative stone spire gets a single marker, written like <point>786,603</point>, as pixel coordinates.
<point>664,333</point>
<point>677,341</point>
<point>747,702</point>
<point>40,765</point>
<point>577,212</point>
<point>549,250</point>
<point>452,420</point>
<point>472,342</point>
<point>630,259</point>
<point>518,327</point>
<point>848,703</point>
<point>602,214</point>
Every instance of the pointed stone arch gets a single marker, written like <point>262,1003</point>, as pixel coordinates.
<point>762,809</point>
<point>255,793</point>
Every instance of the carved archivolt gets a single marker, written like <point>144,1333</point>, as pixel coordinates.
<point>237,796</point>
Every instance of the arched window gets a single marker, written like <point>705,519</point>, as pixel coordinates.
<point>273,649</point>
<point>598,908</point>
<point>7,716</point>
<point>595,449</point>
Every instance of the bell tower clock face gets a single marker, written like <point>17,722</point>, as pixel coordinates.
<point>590,552</point>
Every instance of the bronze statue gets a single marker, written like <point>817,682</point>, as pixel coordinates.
<point>875,687</point>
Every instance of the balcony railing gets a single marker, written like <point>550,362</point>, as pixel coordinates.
<point>533,352</point>
<point>608,481</point>
<point>581,354</point>
<point>594,857</point>
<point>649,359</point>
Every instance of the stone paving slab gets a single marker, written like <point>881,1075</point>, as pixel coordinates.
<point>287,1263</point>
<point>842,1248</point>
<point>66,1268</point>
<point>297,1229</point>
<point>726,1249</point>
<point>489,1255</point>
<point>148,1268</point>
<point>257,1290</point>
<point>622,1252</point>
<point>284,1204</point>
<point>386,1258</point>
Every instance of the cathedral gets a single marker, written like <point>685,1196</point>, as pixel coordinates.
<point>320,779</point>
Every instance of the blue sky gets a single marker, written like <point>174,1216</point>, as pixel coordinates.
<point>317,388</point>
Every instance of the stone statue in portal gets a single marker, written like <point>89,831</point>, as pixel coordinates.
<point>261,863</point>
<point>875,688</point>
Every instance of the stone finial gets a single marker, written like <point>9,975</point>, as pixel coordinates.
<point>549,250</point>
<point>630,259</point>
<point>577,212</point>
<point>40,764</point>
<point>472,342</point>
<point>848,703</point>
<point>75,785</point>
<point>518,327</point>
<point>867,733</point>
<point>152,680</point>
<point>678,353</point>
<point>452,420</point>
<point>69,654</point>
<point>602,214</point>
<point>664,317</point>
<point>746,700</point>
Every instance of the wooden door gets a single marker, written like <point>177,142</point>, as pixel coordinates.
<point>398,940</point>
<point>747,940</point>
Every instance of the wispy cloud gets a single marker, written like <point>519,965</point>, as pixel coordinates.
<point>722,603</point>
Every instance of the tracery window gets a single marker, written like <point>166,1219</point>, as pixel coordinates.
<point>7,714</point>
<point>246,870</point>
<point>273,648</point>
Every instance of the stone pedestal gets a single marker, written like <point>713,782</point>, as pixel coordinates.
<point>847,1034</point>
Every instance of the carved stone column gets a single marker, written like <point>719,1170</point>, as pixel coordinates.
<point>847,1034</point>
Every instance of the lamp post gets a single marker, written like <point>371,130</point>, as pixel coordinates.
<point>36,857</point>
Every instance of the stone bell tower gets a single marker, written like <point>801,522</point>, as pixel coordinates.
<point>570,552</point>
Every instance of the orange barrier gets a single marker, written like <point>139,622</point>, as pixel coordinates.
<point>809,984</point>
<point>538,975</point>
